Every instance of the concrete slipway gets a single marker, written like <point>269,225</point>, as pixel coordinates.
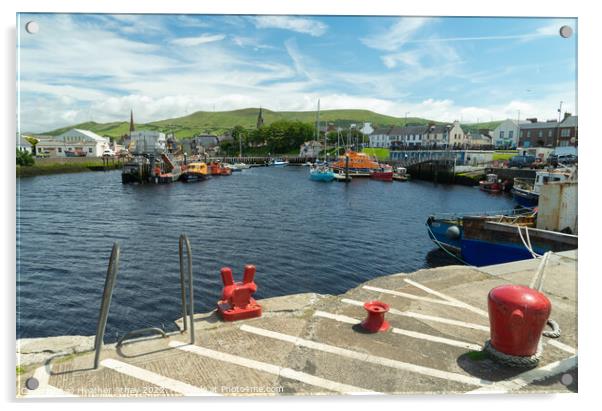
<point>309,344</point>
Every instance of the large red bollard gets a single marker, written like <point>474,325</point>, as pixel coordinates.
<point>517,317</point>
<point>375,321</point>
<point>236,302</point>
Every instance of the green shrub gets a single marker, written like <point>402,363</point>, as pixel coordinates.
<point>24,158</point>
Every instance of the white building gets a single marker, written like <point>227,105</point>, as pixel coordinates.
<point>75,142</point>
<point>22,144</point>
<point>506,134</point>
<point>310,149</point>
<point>456,135</point>
<point>147,141</point>
<point>380,137</point>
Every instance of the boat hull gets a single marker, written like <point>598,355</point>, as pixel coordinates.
<point>382,175</point>
<point>525,198</point>
<point>325,176</point>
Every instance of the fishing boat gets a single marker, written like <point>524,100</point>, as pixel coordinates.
<point>340,176</point>
<point>278,162</point>
<point>217,169</point>
<point>486,239</point>
<point>491,184</point>
<point>360,164</point>
<point>232,167</point>
<point>526,192</point>
<point>384,173</point>
<point>196,171</point>
<point>400,174</point>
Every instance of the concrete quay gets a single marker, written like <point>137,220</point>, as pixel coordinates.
<point>311,344</point>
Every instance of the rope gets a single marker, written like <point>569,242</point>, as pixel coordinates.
<point>527,243</point>
<point>515,361</point>
<point>445,249</point>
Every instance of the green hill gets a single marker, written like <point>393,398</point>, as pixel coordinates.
<point>220,121</point>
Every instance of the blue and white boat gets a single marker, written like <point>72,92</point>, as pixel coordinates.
<point>526,192</point>
<point>498,238</point>
<point>278,162</point>
<point>321,173</point>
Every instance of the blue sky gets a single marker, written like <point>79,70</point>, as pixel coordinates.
<point>82,67</point>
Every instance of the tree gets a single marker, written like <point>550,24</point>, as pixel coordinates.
<point>24,158</point>
<point>34,142</point>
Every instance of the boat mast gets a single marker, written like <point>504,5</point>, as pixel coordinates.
<point>318,128</point>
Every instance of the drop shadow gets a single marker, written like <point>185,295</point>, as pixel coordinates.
<point>480,365</point>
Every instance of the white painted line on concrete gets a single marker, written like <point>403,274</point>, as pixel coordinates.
<point>387,362</point>
<point>528,377</point>
<point>274,369</point>
<point>562,346</point>
<point>410,296</point>
<point>445,321</point>
<point>447,298</point>
<point>44,390</point>
<point>156,379</point>
<point>424,316</point>
<point>401,331</point>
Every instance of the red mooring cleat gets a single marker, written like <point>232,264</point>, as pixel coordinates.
<point>375,322</point>
<point>236,302</point>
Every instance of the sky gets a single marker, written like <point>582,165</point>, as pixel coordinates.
<point>98,67</point>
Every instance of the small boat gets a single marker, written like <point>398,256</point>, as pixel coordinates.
<point>384,173</point>
<point>278,162</point>
<point>526,192</point>
<point>400,174</point>
<point>483,239</point>
<point>340,176</point>
<point>232,167</point>
<point>321,173</point>
<point>242,166</point>
<point>491,184</point>
<point>196,171</point>
<point>217,169</point>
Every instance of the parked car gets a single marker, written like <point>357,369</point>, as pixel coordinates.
<point>108,153</point>
<point>521,161</point>
<point>562,159</point>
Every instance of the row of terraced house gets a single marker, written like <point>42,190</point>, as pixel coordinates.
<point>509,134</point>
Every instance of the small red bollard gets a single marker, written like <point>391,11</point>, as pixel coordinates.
<point>375,321</point>
<point>236,302</point>
<point>517,317</point>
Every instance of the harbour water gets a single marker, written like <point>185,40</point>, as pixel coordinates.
<point>303,236</point>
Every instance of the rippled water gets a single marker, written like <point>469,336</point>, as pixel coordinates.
<point>303,236</point>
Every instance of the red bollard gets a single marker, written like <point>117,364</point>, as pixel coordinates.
<point>375,321</point>
<point>517,317</point>
<point>236,302</point>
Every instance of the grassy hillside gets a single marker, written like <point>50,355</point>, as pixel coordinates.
<point>218,122</point>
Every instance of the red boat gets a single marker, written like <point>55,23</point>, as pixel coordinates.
<point>217,169</point>
<point>384,173</point>
<point>491,184</point>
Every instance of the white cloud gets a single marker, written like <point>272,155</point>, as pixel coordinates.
<point>394,37</point>
<point>198,40</point>
<point>299,24</point>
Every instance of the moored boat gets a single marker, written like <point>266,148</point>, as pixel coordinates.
<point>526,192</point>
<point>321,173</point>
<point>278,162</point>
<point>491,184</point>
<point>400,174</point>
<point>359,164</point>
<point>217,169</point>
<point>384,173</point>
<point>196,171</point>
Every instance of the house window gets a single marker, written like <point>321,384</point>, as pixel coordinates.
<point>502,134</point>
<point>510,134</point>
<point>60,150</point>
<point>90,150</point>
<point>565,132</point>
<point>39,149</point>
<point>549,133</point>
<point>528,134</point>
<point>540,134</point>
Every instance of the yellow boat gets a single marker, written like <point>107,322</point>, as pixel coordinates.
<point>195,172</point>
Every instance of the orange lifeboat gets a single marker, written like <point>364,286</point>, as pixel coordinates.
<point>358,163</point>
<point>216,169</point>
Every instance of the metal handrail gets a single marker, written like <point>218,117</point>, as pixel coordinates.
<point>140,332</point>
<point>106,301</point>
<point>184,240</point>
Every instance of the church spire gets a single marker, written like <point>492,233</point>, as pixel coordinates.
<point>260,118</point>
<point>132,128</point>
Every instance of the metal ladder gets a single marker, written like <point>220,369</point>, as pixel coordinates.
<point>187,309</point>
